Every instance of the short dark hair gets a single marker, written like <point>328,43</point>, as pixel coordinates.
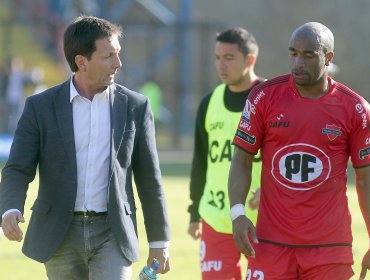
<point>245,40</point>
<point>80,37</point>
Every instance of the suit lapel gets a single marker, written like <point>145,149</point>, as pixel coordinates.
<point>64,115</point>
<point>118,103</point>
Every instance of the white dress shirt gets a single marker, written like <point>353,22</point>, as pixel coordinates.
<point>91,125</point>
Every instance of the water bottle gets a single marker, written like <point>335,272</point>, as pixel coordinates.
<point>147,273</point>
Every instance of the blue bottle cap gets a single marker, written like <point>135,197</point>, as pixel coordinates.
<point>154,265</point>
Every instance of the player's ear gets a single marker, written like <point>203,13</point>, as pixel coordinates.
<point>329,58</point>
<point>251,59</point>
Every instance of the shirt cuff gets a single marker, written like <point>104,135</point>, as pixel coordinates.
<point>159,244</point>
<point>236,211</point>
<point>8,211</point>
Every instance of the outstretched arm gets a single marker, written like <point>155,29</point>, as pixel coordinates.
<point>363,191</point>
<point>239,184</point>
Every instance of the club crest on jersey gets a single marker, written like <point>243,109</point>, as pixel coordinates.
<point>248,109</point>
<point>332,131</point>
<point>300,167</point>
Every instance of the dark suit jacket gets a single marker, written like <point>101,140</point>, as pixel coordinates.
<point>45,138</point>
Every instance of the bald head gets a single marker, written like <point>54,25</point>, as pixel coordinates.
<point>317,33</point>
<point>310,53</point>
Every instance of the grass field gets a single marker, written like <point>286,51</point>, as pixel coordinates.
<point>184,251</point>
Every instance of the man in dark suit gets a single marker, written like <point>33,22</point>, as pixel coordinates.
<point>87,136</point>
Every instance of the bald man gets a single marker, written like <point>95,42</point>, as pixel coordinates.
<point>307,126</point>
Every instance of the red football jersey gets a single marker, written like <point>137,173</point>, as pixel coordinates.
<point>305,146</point>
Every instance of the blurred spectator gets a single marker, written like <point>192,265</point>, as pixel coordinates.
<point>3,80</point>
<point>37,80</point>
<point>154,93</point>
<point>152,90</point>
<point>3,86</point>
<point>14,93</point>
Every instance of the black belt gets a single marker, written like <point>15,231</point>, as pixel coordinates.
<point>90,213</point>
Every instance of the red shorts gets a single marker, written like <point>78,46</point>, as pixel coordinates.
<point>275,262</point>
<point>219,258</point>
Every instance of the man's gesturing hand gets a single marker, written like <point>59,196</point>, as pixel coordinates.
<point>241,227</point>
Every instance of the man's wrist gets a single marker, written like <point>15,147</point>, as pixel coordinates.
<point>159,244</point>
<point>236,211</point>
<point>9,211</point>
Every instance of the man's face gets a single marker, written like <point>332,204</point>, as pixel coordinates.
<point>231,64</point>
<point>104,63</point>
<point>307,60</point>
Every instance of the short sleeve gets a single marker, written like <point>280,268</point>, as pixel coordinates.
<point>360,137</point>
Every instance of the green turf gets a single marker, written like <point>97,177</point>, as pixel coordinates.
<point>184,251</point>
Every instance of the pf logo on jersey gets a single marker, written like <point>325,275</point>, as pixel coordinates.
<point>300,167</point>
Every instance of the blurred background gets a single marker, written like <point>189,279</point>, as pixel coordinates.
<point>168,54</point>
<point>168,50</point>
